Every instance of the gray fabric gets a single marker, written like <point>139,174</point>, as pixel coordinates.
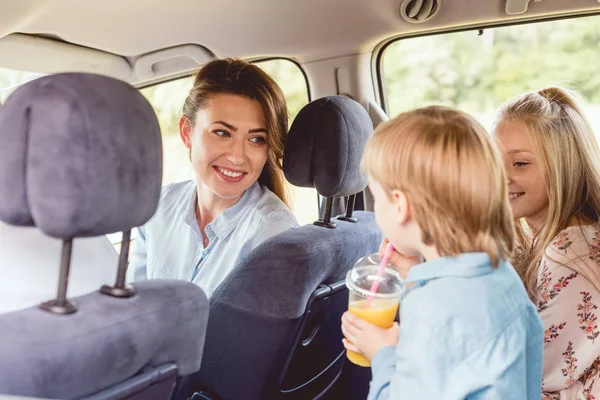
<point>81,155</point>
<point>255,314</point>
<point>278,277</point>
<point>107,341</point>
<point>155,384</point>
<point>325,144</point>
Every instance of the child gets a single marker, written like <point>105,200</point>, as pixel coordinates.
<point>553,166</point>
<point>467,327</point>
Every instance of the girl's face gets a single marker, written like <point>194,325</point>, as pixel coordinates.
<point>528,194</point>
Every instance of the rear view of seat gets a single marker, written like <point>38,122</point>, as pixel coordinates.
<point>93,265</point>
<point>274,327</point>
<point>81,156</point>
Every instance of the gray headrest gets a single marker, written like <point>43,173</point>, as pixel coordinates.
<point>325,145</point>
<point>80,155</point>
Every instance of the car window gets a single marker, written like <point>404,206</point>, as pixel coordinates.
<point>11,79</point>
<point>476,71</point>
<point>167,99</point>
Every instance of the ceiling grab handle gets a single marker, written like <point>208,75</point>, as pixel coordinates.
<point>514,7</point>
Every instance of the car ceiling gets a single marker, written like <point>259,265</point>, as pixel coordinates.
<point>306,30</point>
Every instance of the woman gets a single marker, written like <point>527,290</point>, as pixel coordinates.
<point>553,165</point>
<point>233,123</point>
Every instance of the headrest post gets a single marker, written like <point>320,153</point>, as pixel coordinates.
<point>121,289</point>
<point>349,210</point>
<point>61,305</point>
<point>326,221</point>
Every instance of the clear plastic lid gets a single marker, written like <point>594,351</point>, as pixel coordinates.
<point>364,273</point>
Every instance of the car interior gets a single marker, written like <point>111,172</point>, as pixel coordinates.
<point>117,72</point>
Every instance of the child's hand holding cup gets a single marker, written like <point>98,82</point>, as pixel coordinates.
<point>374,303</point>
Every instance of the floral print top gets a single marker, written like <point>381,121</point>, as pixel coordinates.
<point>567,300</point>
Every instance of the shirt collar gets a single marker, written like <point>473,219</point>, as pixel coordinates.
<point>225,222</point>
<point>464,265</point>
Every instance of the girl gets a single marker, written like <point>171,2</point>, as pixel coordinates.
<point>553,165</point>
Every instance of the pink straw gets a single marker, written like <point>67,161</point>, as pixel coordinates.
<point>380,272</point>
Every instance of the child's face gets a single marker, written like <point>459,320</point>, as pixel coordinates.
<point>528,195</point>
<point>393,217</point>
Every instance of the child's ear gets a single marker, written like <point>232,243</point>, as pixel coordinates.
<point>402,206</point>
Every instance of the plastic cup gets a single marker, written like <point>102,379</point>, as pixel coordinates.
<point>386,300</point>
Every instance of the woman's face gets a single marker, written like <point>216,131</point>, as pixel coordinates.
<point>228,144</point>
<point>528,195</point>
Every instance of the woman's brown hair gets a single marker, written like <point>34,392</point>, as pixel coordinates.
<point>238,77</point>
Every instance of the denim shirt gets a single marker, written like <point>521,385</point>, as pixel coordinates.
<point>467,331</point>
<point>170,245</point>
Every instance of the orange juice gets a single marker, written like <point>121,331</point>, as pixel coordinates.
<point>381,313</point>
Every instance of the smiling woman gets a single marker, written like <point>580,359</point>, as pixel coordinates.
<point>232,90</point>
<point>233,125</point>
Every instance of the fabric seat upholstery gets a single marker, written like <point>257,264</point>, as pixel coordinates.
<point>289,287</point>
<point>81,156</point>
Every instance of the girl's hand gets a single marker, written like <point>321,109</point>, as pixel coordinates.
<point>365,338</point>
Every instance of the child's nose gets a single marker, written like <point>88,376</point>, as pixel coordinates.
<point>509,179</point>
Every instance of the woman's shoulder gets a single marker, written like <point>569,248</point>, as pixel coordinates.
<point>271,207</point>
<point>174,201</point>
<point>175,191</point>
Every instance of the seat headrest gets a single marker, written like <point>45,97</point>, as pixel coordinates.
<point>80,155</point>
<point>325,144</point>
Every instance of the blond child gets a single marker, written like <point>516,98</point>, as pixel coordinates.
<point>467,327</point>
<point>553,164</point>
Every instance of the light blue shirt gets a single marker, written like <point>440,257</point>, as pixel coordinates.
<point>467,331</point>
<point>170,245</point>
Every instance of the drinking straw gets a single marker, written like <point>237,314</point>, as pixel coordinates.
<point>380,272</point>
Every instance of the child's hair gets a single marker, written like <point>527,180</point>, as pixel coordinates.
<point>564,142</point>
<point>452,174</point>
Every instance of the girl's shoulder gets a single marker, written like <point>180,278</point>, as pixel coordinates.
<point>581,242</point>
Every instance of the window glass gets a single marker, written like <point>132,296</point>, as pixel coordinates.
<point>478,72</point>
<point>291,80</point>
<point>167,99</point>
<point>11,79</point>
<point>294,86</point>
